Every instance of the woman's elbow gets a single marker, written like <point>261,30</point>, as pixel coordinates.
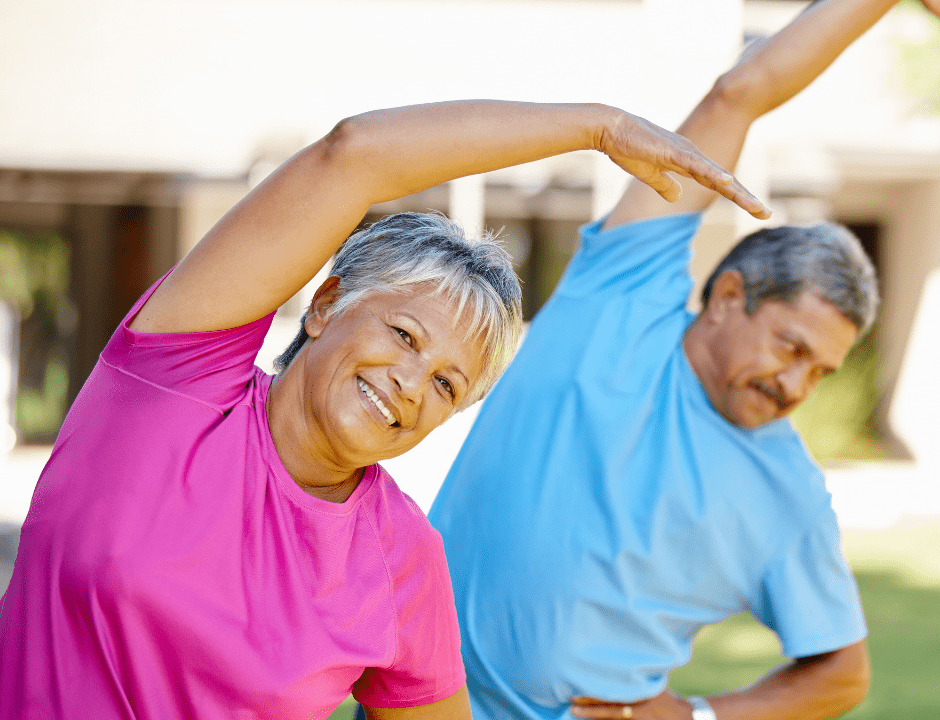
<point>345,136</point>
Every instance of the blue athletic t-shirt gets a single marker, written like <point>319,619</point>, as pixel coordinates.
<point>601,511</point>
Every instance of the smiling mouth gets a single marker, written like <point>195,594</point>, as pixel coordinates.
<point>379,405</point>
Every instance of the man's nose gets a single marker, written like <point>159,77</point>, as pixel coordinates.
<point>794,382</point>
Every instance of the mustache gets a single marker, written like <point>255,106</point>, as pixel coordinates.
<point>781,400</point>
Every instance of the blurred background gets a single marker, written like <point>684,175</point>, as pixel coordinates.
<point>130,126</point>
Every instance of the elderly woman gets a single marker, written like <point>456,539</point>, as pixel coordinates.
<point>207,541</point>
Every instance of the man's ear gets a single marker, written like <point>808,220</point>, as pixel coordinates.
<point>727,296</point>
<point>318,314</point>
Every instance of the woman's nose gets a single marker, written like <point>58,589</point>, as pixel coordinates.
<point>409,377</point>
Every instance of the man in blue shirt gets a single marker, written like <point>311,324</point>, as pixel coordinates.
<point>633,477</point>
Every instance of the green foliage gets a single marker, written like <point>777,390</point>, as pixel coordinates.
<point>838,420</point>
<point>32,266</point>
<point>39,411</point>
<point>34,278</point>
<point>920,63</point>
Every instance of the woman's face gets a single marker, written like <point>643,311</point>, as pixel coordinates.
<point>383,374</point>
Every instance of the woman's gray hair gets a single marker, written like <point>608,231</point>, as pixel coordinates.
<point>780,263</point>
<point>406,249</point>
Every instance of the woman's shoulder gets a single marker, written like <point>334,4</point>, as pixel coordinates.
<point>393,504</point>
<point>402,528</point>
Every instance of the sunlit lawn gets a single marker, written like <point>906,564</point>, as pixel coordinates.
<point>898,574</point>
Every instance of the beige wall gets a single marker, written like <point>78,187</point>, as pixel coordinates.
<point>903,195</point>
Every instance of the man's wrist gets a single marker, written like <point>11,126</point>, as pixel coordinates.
<point>701,710</point>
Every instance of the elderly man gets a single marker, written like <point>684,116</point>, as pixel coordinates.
<point>633,476</point>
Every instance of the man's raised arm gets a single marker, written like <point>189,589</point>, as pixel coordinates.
<point>769,73</point>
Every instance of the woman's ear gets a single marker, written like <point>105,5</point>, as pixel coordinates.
<point>727,296</point>
<point>318,314</point>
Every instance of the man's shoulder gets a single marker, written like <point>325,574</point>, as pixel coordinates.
<point>630,256</point>
<point>781,439</point>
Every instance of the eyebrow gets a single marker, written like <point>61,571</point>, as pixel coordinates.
<point>798,340</point>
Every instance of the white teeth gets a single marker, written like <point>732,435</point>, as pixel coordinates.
<point>375,401</point>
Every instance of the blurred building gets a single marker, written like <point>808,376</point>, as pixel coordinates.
<point>130,127</point>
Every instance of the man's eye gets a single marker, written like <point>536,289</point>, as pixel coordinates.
<point>404,335</point>
<point>448,388</point>
<point>793,348</point>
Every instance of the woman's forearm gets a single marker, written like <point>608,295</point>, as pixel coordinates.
<point>399,151</point>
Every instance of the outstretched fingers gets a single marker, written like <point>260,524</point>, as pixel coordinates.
<point>690,162</point>
<point>649,153</point>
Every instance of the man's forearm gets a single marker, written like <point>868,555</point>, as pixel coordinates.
<point>814,688</point>
<point>772,71</point>
<point>769,73</point>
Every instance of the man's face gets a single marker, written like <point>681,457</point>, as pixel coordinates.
<point>767,363</point>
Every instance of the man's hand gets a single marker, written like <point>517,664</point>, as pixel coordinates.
<point>665,706</point>
<point>649,152</point>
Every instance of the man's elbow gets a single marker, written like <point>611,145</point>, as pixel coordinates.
<point>850,676</point>
<point>741,91</point>
<point>858,681</point>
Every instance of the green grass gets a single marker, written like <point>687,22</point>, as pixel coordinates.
<point>346,711</point>
<point>898,575</point>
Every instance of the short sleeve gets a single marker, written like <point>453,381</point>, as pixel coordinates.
<point>634,256</point>
<point>809,595</point>
<point>213,367</point>
<point>427,666</point>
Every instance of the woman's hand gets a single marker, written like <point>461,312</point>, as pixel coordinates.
<point>665,706</point>
<point>648,152</point>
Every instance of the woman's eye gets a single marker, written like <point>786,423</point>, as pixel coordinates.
<point>448,388</point>
<point>404,335</point>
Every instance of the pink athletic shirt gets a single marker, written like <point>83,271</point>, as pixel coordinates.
<point>170,567</point>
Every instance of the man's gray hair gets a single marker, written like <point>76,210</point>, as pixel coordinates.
<point>780,263</point>
<point>475,274</point>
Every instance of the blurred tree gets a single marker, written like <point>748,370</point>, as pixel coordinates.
<point>34,278</point>
<point>920,60</point>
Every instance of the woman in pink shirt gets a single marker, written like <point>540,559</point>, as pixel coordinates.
<point>209,542</point>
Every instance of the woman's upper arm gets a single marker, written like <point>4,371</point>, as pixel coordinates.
<point>455,707</point>
<point>264,249</point>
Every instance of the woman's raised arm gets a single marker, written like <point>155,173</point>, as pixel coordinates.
<point>272,242</point>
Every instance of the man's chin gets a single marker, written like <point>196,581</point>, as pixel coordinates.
<point>751,418</point>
